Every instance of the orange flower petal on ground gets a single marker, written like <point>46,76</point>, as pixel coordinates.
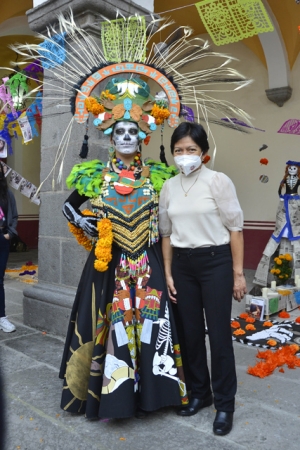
<point>235,324</point>
<point>284,315</point>
<point>272,342</point>
<point>273,359</point>
<point>267,324</point>
<point>250,320</point>
<point>250,327</point>
<point>239,332</point>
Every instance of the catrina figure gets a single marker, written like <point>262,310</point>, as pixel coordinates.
<point>286,234</point>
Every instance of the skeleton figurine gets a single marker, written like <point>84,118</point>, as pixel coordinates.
<point>287,227</point>
<point>291,179</point>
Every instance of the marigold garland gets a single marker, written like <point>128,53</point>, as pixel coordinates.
<point>103,247</point>
<point>250,327</point>
<point>235,324</point>
<point>80,235</point>
<point>239,332</point>
<point>285,355</point>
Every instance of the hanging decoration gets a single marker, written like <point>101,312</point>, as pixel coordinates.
<point>291,126</point>
<point>18,87</point>
<point>119,38</point>
<point>52,51</point>
<point>234,120</point>
<point>229,21</point>
<point>16,181</point>
<point>264,161</point>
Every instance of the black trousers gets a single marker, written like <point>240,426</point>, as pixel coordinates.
<point>203,278</point>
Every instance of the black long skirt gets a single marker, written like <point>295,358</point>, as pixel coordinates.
<point>121,350</point>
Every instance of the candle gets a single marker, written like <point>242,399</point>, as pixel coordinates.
<point>296,280</point>
<point>273,285</point>
<point>298,283</point>
<point>265,292</point>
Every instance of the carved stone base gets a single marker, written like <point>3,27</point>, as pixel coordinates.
<point>279,95</point>
<point>48,307</point>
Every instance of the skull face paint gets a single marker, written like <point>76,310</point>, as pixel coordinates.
<point>125,137</point>
<point>292,170</point>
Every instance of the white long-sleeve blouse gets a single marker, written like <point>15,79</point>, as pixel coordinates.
<point>205,215</point>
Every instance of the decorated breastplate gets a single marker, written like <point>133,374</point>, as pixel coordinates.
<point>132,207</point>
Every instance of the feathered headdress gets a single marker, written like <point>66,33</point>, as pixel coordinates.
<point>79,64</point>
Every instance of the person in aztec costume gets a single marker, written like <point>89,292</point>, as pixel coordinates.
<point>122,351</point>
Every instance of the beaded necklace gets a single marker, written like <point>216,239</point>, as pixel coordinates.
<point>135,163</point>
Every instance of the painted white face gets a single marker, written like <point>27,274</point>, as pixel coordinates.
<point>125,137</point>
<point>292,170</point>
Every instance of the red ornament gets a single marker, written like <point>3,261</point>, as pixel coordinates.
<point>206,159</point>
<point>264,161</point>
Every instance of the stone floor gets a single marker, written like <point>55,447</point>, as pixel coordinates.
<point>267,413</point>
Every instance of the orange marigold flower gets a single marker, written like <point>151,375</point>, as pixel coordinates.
<point>107,94</point>
<point>272,342</point>
<point>239,331</point>
<point>250,320</point>
<point>297,320</point>
<point>250,327</point>
<point>160,114</point>
<point>96,109</point>
<point>284,315</point>
<point>244,315</point>
<point>267,324</point>
<point>235,324</point>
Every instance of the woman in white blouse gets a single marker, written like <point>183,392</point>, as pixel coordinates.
<point>201,223</point>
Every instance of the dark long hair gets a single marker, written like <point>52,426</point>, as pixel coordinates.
<point>3,184</point>
<point>195,131</point>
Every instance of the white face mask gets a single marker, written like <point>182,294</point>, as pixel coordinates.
<point>188,163</point>
<point>126,137</point>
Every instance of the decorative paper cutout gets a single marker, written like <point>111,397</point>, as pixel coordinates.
<point>123,34</point>
<point>188,113</point>
<point>54,53</point>
<point>291,126</point>
<point>229,21</point>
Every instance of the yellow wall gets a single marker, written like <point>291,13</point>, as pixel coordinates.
<point>238,154</point>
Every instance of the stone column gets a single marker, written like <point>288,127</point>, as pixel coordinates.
<point>47,304</point>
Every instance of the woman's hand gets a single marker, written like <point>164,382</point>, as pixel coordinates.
<point>239,286</point>
<point>171,288</point>
<point>7,236</point>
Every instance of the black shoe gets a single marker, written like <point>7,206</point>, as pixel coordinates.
<point>195,404</point>
<point>223,423</point>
